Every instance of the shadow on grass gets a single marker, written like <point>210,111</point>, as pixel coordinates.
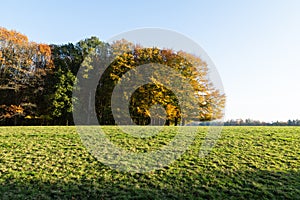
<point>254,184</point>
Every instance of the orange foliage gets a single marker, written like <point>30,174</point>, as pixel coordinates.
<point>10,111</point>
<point>19,53</point>
<point>12,36</point>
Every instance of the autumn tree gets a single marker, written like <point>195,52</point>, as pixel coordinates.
<point>23,66</point>
<point>210,101</point>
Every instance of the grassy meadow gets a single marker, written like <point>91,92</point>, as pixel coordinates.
<point>246,163</point>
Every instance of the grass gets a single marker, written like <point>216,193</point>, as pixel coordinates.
<point>246,163</point>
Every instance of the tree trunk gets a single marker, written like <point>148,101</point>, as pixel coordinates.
<point>167,122</point>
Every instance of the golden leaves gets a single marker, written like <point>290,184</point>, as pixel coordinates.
<point>21,58</point>
<point>11,111</point>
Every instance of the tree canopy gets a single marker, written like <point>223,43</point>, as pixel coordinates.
<point>210,101</point>
<point>37,80</point>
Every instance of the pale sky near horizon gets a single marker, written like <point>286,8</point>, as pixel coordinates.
<point>255,44</point>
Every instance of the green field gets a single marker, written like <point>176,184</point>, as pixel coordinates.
<point>246,163</point>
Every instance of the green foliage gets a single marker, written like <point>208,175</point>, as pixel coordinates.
<point>246,163</point>
<point>57,104</point>
<point>62,98</point>
<point>42,76</point>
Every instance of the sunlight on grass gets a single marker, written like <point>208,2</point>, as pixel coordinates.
<point>247,162</point>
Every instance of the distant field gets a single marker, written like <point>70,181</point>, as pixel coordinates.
<point>246,163</point>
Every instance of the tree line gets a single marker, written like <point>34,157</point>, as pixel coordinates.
<point>37,81</point>
<point>250,122</point>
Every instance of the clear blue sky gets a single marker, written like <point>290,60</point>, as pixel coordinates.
<point>255,44</point>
